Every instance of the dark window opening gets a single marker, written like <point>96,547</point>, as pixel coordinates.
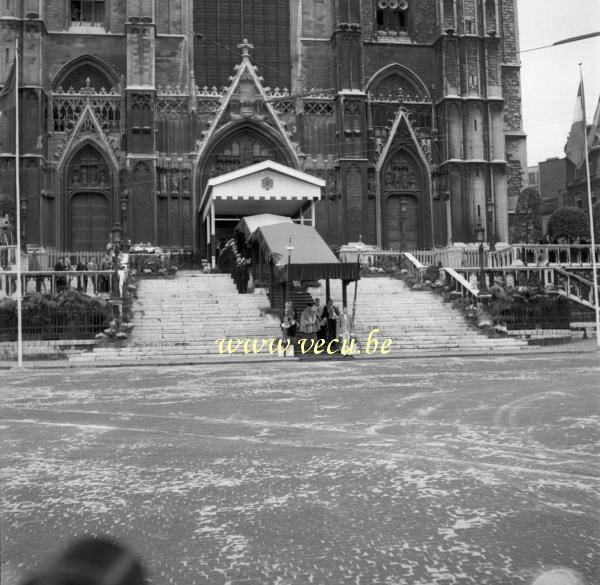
<point>392,20</point>
<point>87,12</point>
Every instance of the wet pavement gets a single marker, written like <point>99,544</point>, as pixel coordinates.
<point>435,471</point>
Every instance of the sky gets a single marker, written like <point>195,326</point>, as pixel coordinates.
<point>550,76</point>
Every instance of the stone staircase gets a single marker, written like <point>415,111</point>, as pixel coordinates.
<point>414,320</point>
<point>298,297</point>
<point>181,318</point>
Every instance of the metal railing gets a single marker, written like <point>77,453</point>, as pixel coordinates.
<point>551,313</point>
<point>48,282</point>
<point>41,324</point>
<point>48,259</point>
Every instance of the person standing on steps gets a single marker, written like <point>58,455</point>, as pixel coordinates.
<point>243,278</point>
<point>332,314</point>
<point>92,285</point>
<point>321,320</point>
<point>345,331</point>
<point>288,327</point>
<point>308,322</point>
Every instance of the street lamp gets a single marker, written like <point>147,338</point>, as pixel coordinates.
<point>490,216</point>
<point>289,249</point>
<point>483,289</point>
<point>117,232</point>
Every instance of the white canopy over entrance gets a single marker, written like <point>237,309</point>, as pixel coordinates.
<point>266,187</point>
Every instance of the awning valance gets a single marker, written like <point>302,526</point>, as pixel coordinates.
<point>298,252</point>
<point>266,187</point>
<point>248,225</point>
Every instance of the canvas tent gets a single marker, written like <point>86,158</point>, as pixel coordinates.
<point>309,259</point>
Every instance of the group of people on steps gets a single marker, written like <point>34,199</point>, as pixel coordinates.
<point>318,322</point>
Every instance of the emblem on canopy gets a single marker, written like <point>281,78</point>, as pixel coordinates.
<point>267,183</point>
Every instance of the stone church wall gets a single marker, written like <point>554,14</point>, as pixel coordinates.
<point>340,135</point>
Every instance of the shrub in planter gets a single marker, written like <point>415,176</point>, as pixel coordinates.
<point>432,273</point>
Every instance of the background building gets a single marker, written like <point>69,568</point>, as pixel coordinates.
<point>409,110</point>
<point>576,194</point>
<point>552,173</point>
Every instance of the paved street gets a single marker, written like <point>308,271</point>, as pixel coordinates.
<point>434,471</point>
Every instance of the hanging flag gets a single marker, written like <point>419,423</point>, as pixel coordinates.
<point>7,93</point>
<point>594,133</point>
<point>575,147</point>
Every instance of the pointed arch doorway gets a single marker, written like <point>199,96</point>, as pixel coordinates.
<point>401,222</point>
<point>236,147</point>
<point>89,200</point>
<point>89,221</point>
<point>402,202</point>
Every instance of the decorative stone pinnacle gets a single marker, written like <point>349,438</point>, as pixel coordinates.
<point>245,46</point>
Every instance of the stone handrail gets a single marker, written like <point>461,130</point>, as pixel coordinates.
<point>448,257</point>
<point>574,287</point>
<point>577,288</point>
<point>527,254</point>
<point>458,283</point>
<point>543,254</point>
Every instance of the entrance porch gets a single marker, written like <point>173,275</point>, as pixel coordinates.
<point>266,187</point>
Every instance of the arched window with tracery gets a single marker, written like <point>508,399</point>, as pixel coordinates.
<point>86,81</point>
<point>243,149</point>
<point>398,86</point>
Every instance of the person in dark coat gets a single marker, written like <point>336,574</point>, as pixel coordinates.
<point>243,278</point>
<point>235,274</point>
<point>61,281</point>
<point>81,280</point>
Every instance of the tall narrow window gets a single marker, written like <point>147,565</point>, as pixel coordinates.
<point>490,17</point>
<point>449,22</point>
<point>87,12</point>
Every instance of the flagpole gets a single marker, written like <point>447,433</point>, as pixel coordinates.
<point>18,214</point>
<point>589,191</point>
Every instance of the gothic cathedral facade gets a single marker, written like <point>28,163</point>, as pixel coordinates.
<point>410,111</point>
